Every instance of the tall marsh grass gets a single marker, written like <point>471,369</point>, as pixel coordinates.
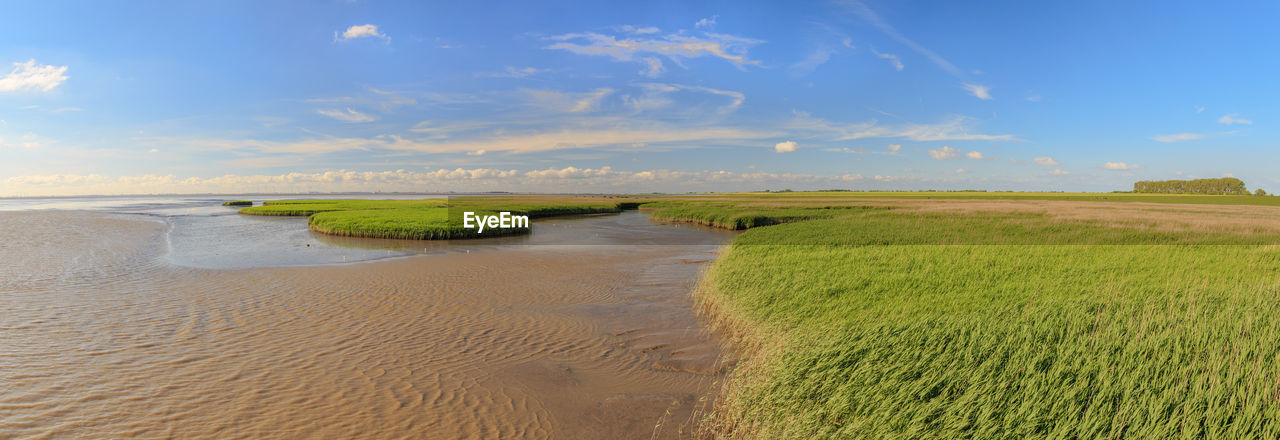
<point>901,324</point>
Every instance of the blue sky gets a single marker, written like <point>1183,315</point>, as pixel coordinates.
<point>106,98</point>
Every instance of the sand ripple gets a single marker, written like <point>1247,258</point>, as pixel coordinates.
<point>101,339</point>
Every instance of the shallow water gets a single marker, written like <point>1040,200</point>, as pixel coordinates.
<point>113,326</point>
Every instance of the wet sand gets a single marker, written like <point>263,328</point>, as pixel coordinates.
<point>102,338</point>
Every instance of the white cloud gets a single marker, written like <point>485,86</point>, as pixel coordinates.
<point>153,150</point>
<point>708,23</point>
<point>1034,98</point>
<point>1199,109</point>
<point>980,91</point>
<point>894,148</point>
<point>955,128</point>
<point>973,155</point>
<point>961,171</point>
<point>646,49</point>
<point>476,153</point>
<point>893,59</point>
<point>1179,137</point>
<point>361,31</point>
<point>944,153</point>
<point>512,72</point>
<point>350,115</point>
<point>32,76</point>
<point>1119,166</point>
<point>1058,172</point>
<point>1046,161</point>
<point>1233,119</point>
<point>785,147</point>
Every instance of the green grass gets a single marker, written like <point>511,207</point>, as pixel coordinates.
<point>894,323</point>
<point>238,203</point>
<point>427,219</point>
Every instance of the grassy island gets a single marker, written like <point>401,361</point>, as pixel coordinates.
<point>238,203</point>
<point>429,219</point>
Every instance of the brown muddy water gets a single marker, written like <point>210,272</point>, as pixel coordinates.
<point>104,335</point>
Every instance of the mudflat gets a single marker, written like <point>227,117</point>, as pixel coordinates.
<point>103,338</point>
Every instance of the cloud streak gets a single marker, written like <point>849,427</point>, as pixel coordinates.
<point>1178,137</point>
<point>1233,118</point>
<point>349,115</point>
<point>979,91</point>
<point>861,10</point>
<point>955,128</point>
<point>893,59</point>
<point>646,50</point>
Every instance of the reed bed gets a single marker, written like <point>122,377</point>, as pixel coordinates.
<point>919,323</point>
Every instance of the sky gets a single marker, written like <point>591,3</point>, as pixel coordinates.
<point>587,96</point>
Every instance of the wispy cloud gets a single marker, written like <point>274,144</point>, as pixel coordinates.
<point>848,150</point>
<point>707,23</point>
<point>1233,118</point>
<point>785,147</point>
<point>1178,137</point>
<point>568,102</point>
<point>980,91</point>
<point>973,155</point>
<point>31,76</point>
<point>361,31</point>
<point>513,72</point>
<point>1119,166</point>
<point>955,128</point>
<point>871,17</point>
<point>646,50</point>
<point>640,30</point>
<point>816,58</point>
<point>655,96</point>
<point>1058,172</point>
<point>1046,161</point>
<point>893,59</point>
<point>350,115</point>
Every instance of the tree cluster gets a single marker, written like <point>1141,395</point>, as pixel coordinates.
<point>1222,186</point>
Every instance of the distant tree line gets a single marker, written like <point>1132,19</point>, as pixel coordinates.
<point>1222,186</point>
